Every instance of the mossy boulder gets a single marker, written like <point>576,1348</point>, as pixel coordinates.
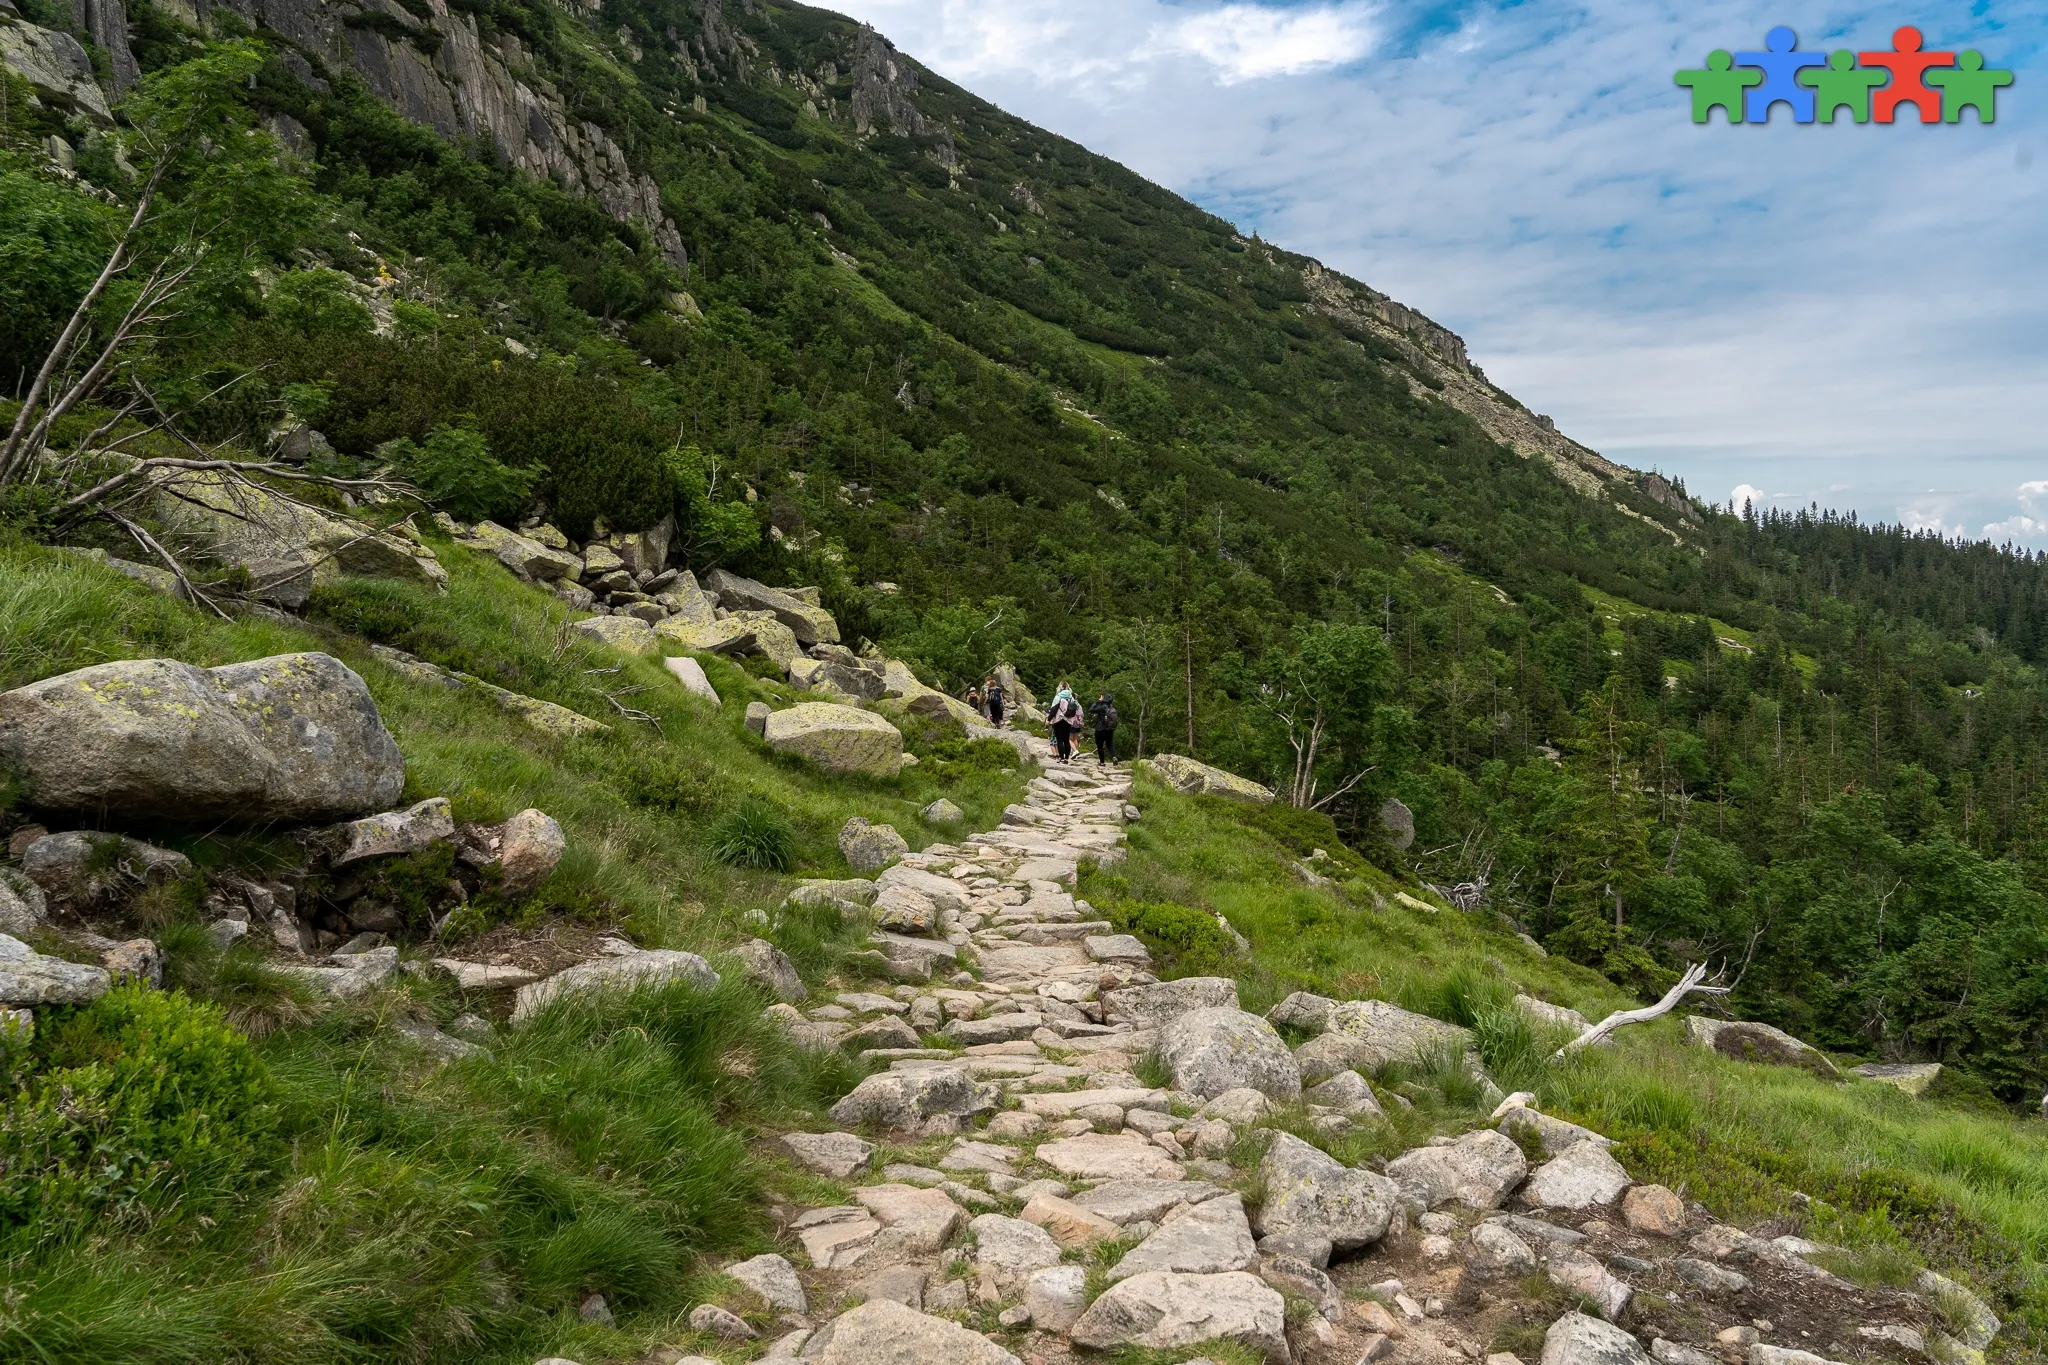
<point>839,739</point>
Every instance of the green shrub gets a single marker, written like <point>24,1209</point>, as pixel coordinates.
<point>755,834</point>
<point>455,470</point>
<point>142,1099</point>
<point>1185,940</point>
<point>374,608</point>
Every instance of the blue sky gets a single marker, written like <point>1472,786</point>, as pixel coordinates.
<point>1850,315</point>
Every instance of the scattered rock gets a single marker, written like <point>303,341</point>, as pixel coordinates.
<point>1655,1210</point>
<point>881,1332</point>
<point>485,976</point>
<point>1302,1011</point>
<point>1748,1041</point>
<point>768,967</point>
<point>914,1099</point>
<point>1392,1034</point>
<point>690,674</point>
<point>1143,1201</point>
<point>529,846</point>
<point>1761,1354</point>
<point>1199,779</point>
<point>22,904</point>
<point>720,1322</point>
<point>1165,1310</point>
<point>1161,1002</point>
<point>82,870</point>
<point>1557,1017</point>
<point>1494,1251</point>
<point>1108,1156</point>
<point>1577,1273</point>
<point>627,634</point>
<point>595,1311</point>
<point>140,959</point>
<point>1069,1223</point>
<point>1348,1093</point>
<point>1671,1353</point>
<point>29,978</point>
<point>392,833</point>
<point>640,970</point>
<point>870,847</point>
<point>1292,1275</point>
<point>1585,1176</point>
<point>1313,1200</point>
<point>839,739</point>
<point>1967,1316</point>
<point>1055,1297</point>
<point>289,739</point>
<point>431,1040</point>
<point>364,973</point>
<point>942,812</point>
<point>1209,1051</point>
<point>886,1032</point>
<point>1116,948</point>
<point>774,1280</point>
<point>1397,823</point>
<point>1707,1277</point>
<point>1478,1170</point>
<point>837,1155</point>
<point>1201,1239</point>
<point>1011,1248</point>
<point>1911,1077</point>
<point>809,623</point>
<point>918,1221</point>
<point>1555,1134</point>
<point>1577,1339</point>
<point>906,911</point>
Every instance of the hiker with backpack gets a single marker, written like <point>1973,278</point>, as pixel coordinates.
<point>1103,714</point>
<point>992,695</point>
<point>1065,719</point>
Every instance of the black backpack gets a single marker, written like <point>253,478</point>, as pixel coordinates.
<point>1105,715</point>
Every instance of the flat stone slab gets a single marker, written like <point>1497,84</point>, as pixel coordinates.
<point>837,1155</point>
<point>1109,1156</point>
<point>1144,1201</point>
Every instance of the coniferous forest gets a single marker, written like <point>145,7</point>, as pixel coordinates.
<point>1005,401</point>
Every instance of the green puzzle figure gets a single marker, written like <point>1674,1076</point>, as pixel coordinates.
<point>1843,83</point>
<point>1968,86</point>
<point>1718,85</point>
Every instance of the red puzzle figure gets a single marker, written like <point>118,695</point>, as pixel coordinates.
<point>1908,64</point>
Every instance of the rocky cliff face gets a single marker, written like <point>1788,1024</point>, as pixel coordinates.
<point>437,71</point>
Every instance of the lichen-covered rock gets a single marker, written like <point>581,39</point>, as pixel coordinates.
<point>1478,1171</point>
<point>1199,779</point>
<point>809,623</point>
<point>629,971</point>
<point>523,555</point>
<point>1349,1094</point>
<point>627,634</point>
<point>285,547</point>
<point>1580,1339</point>
<point>1966,1315</point>
<point>905,911</point>
<point>1209,1051</point>
<point>1494,1251</point>
<point>1389,1033</point>
<point>1165,1310</point>
<point>870,847</point>
<point>29,978</point>
<point>1584,1176</point>
<point>839,739</point>
<point>912,1099</point>
<point>773,1280</point>
<point>1203,1239</point>
<point>1748,1041</point>
<point>838,1155</point>
<point>1303,1011</point>
<point>772,640</point>
<point>1311,1197</point>
<point>293,739</point>
<point>1161,1002</point>
<point>942,812</point>
<point>1557,1017</point>
<point>392,832</point>
<point>84,870</point>
<point>730,636</point>
<point>884,1332</point>
<point>1912,1078</point>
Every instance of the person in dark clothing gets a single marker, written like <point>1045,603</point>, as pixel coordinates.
<point>1103,714</point>
<point>973,699</point>
<point>992,693</point>
<point>1065,719</point>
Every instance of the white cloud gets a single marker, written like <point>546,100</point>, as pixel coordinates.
<point>2029,526</point>
<point>1746,495</point>
<point>1248,42</point>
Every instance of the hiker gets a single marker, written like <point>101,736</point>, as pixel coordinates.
<point>973,699</point>
<point>992,693</point>
<point>1065,719</point>
<point>1103,714</point>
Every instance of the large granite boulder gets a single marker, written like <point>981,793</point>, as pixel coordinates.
<point>285,547</point>
<point>1316,1205</point>
<point>1748,1041</point>
<point>292,739</point>
<point>884,1332</point>
<point>1209,1051</point>
<point>811,624</point>
<point>523,555</point>
<point>839,739</point>
<point>1581,1339</point>
<point>1584,1176</point>
<point>869,847</point>
<point>627,634</point>
<point>1389,1033</point>
<point>1199,779</point>
<point>914,1099</point>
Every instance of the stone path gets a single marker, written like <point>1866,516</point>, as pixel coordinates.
<point>1010,1022</point>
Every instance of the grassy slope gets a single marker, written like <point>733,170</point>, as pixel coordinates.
<point>461,1214</point>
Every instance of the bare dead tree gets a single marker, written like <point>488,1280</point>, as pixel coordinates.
<point>1690,983</point>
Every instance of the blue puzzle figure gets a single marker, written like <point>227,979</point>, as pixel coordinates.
<point>1781,67</point>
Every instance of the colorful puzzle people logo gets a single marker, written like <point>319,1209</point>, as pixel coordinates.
<point>1870,85</point>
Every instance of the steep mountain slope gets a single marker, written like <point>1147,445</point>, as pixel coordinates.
<point>747,266</point>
